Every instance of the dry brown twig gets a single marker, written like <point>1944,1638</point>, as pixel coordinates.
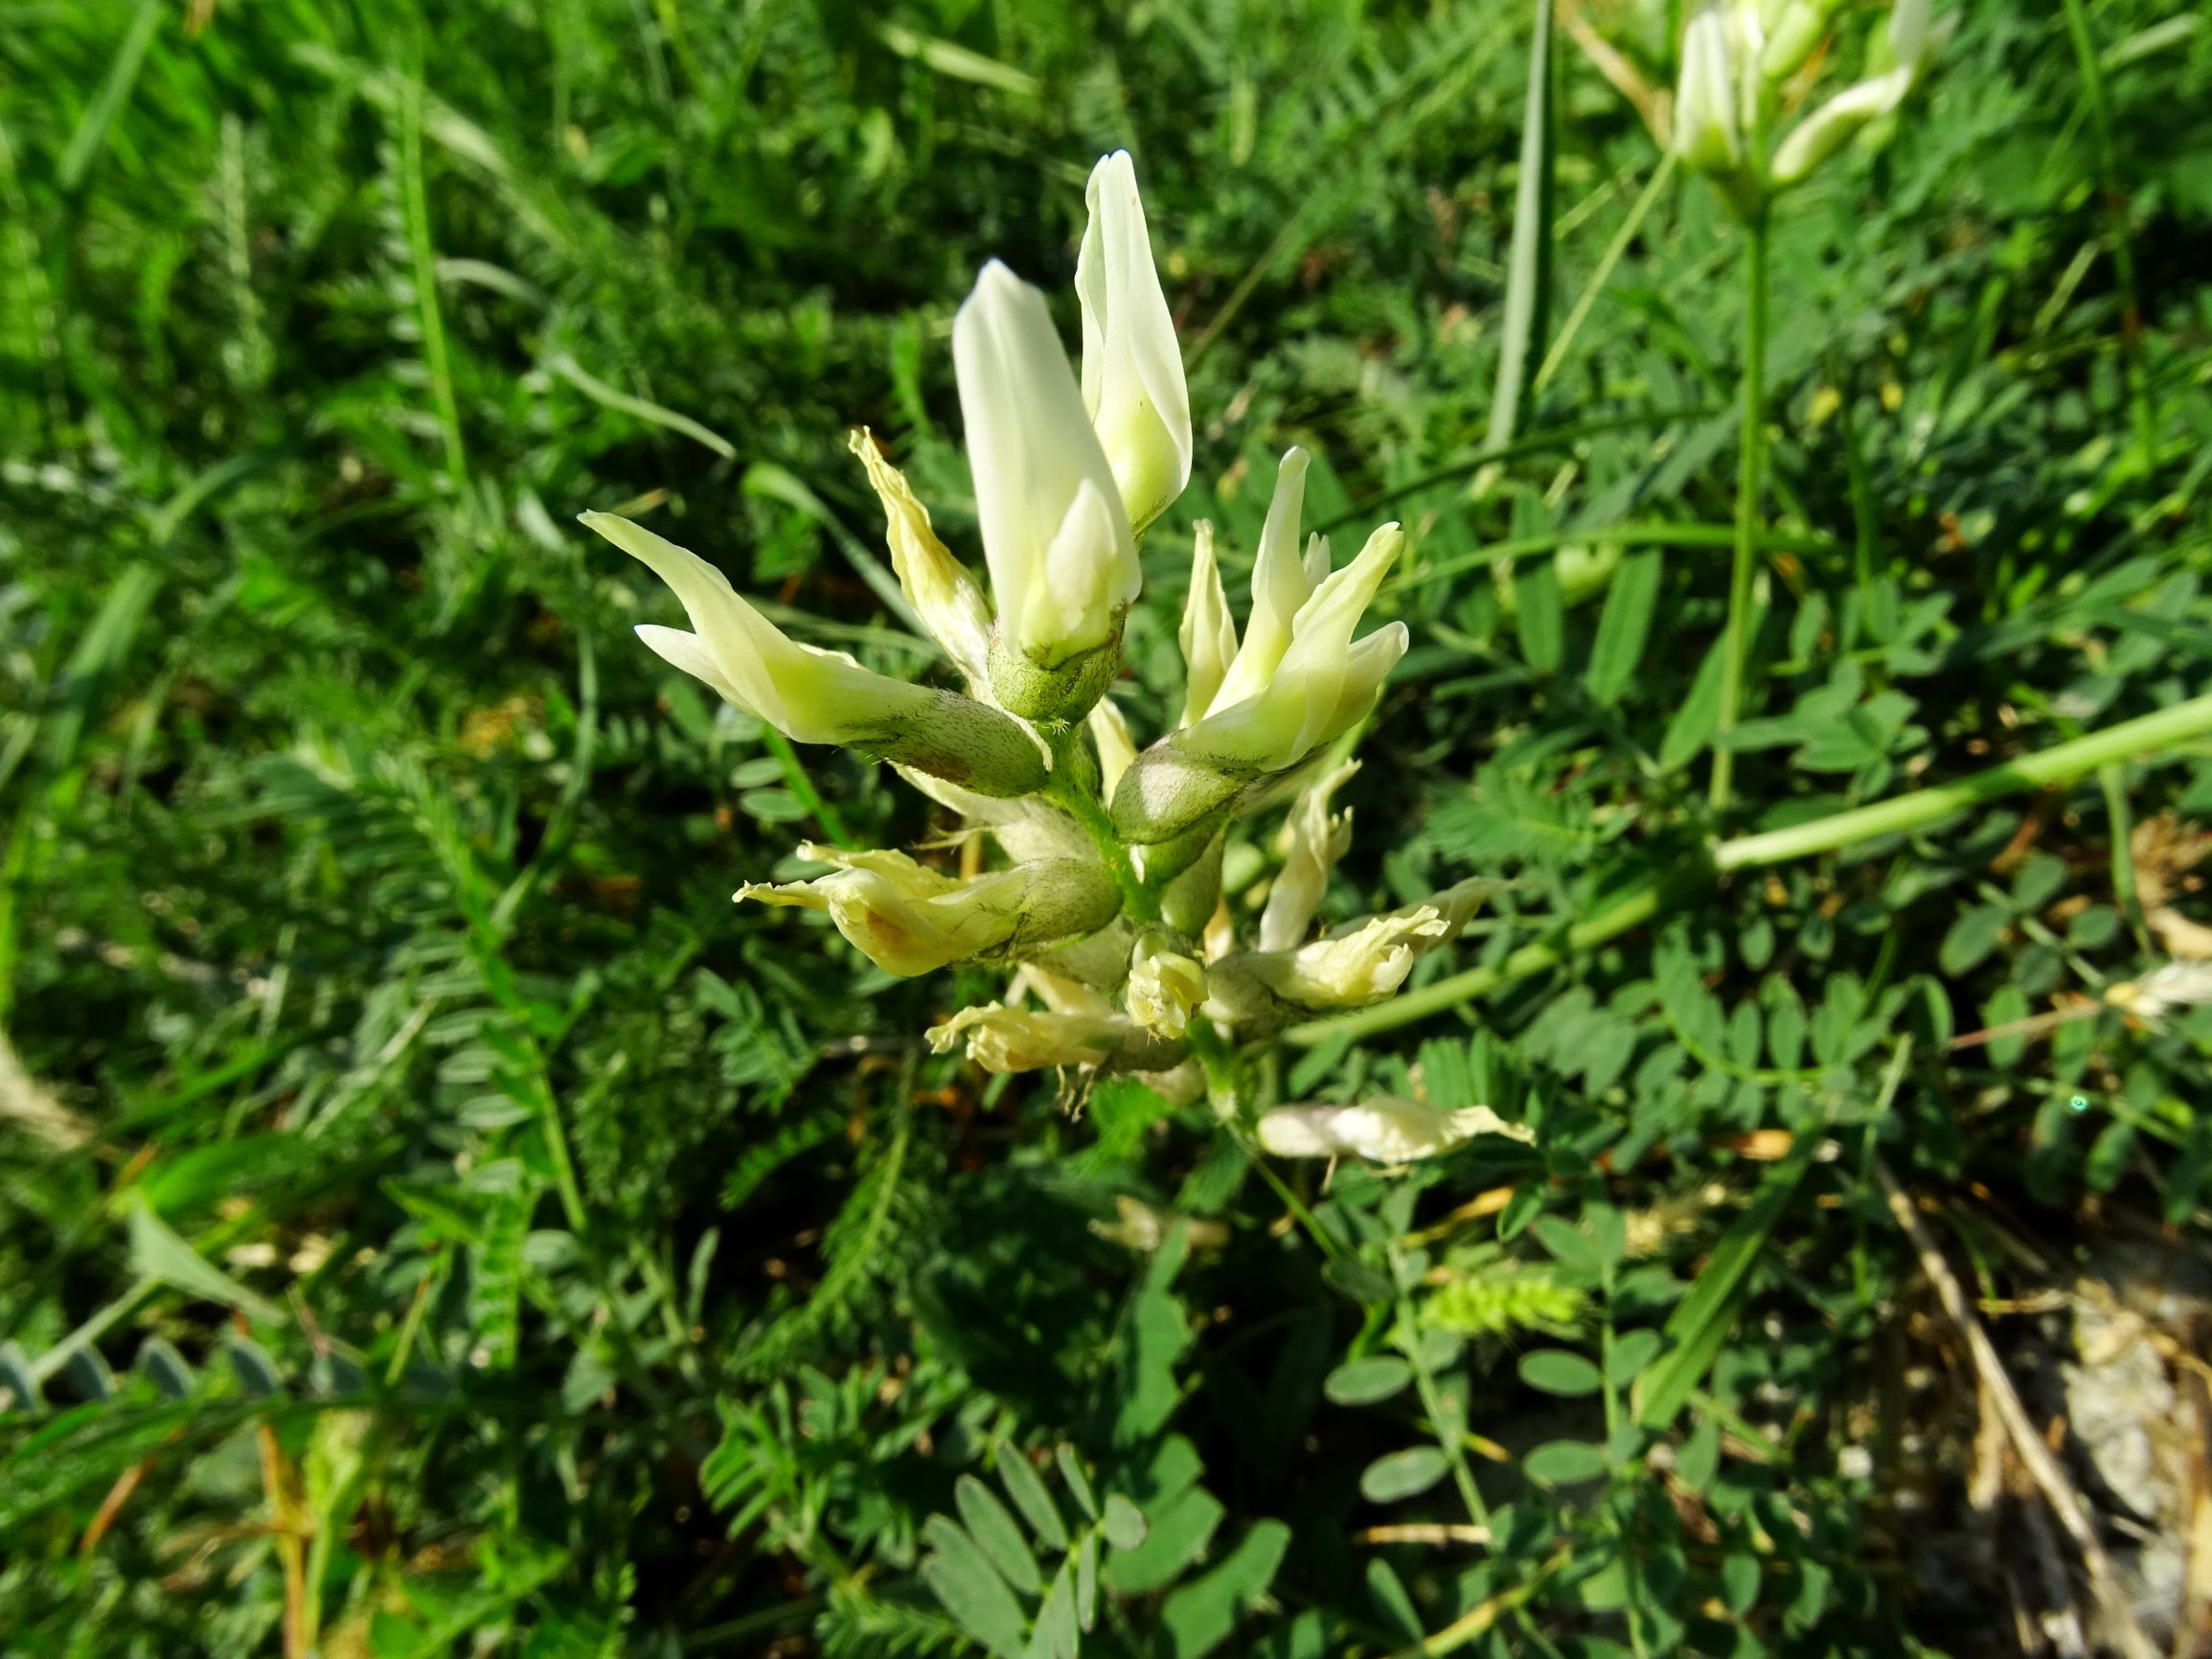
<point>2043,1468</point>
<point>1423,1532</point>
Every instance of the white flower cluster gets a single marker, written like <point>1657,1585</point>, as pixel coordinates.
<point>1109,905</point>
<point>1738,58</point>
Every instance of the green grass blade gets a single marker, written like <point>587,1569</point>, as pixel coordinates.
<point>90,138</point>
<point>1701,1321</point>
<point>1528,276</point>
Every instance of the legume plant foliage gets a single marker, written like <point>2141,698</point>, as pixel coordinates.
<point>1607,1058</point>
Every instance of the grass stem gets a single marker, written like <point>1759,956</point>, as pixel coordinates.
<point>1750,491</point>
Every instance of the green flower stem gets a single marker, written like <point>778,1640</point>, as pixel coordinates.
<point>1750,491</point>
<point>1071,787</point>
<point>1432,1405</point>
<point>2150,736</point>
<point>2112,779</point>
<point>2146,736</point>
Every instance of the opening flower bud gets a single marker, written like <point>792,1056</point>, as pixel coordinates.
<point>1321,684</point>
<point>909,920</point>
<point>1165,987</point>
<point>1388,1130</point>
<point>1063,565</point>
<point>1705,131</point>
<point>818,696</point>
<point>1133,369</point>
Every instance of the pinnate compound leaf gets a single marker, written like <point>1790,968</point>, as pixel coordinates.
<point>962,1579</point>
<point>1177,1537</point>
<point>1028,1493</point>
<point>993,1526</point>
<point>1200,1616</point>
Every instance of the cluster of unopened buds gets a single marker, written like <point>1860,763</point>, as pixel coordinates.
<point>1108,908</point>
<point>1742,59</point>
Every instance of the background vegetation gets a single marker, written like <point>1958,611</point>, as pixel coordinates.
<point>437,1222</point>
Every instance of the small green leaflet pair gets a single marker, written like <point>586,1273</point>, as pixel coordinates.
<point>1035,1594</point>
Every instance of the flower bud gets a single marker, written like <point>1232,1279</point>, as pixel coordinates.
<point>1826,130</point>
<point>1165,986</point>
<point>1358,967</point>
<point>1014,1039</point>
<point>1208,635</point>
<point>909,920</point>
<point>1705,130</point>
<point>1795,30</point>
<point>1312,840</point>
<point>1897,58</point>
<point>1190,897</point>
<point>1063,565</point>
<point>1383,1131</point>
<point>1133,369</point>
<point>817,696</point>
<point>1320,686</point>
<point>936,585</point>
<point>1144,1228</point>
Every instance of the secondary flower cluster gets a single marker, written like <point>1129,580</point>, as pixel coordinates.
<point>1109,906</point>
<point>1738,60</point>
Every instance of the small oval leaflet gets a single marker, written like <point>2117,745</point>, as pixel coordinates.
<point>1365,1381</point>
<point>1563,1463</point>
<point>1403,1475</point>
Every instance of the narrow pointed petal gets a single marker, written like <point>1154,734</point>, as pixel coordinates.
<point>938,586</point>
<point>1208,635</point>
<point>1110,732</point>
<point>1321,685</point>
<point>1312,840</point>
<point>1165,987</point>
<point>1279,586</point>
